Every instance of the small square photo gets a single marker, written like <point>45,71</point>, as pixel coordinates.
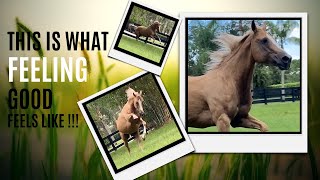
<point>135,126</point>
<point>145,37</point>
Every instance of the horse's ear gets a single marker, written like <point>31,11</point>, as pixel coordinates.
<point>253,26</point>
<point>140,92</point>
<point>264,26</point>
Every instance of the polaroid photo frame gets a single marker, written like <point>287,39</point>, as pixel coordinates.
<point>149,55</point>
<point>175,149</point>
<point>246,142</point>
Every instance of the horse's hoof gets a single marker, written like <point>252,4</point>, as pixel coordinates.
<point>264,129</point>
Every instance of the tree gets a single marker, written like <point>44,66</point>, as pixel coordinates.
<point>281,31</point>
<point>200,36</point>
<point>145,18</point>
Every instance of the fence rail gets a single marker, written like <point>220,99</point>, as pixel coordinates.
<point>266,95</point>
<point>116,138</point>
<point>155,44</point>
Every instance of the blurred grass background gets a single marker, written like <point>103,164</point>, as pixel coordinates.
<point>72,153</point>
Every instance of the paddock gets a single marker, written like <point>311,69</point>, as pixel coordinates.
<point>279,116</point>
<point>146,50</point>
<point>155,140</point>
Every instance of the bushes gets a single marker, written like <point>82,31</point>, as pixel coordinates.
<point>286,85</point>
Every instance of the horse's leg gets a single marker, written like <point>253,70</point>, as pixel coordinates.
<point>144,129</point>
<point>137,34</point>
<point>146,39</point>
<point>153,39</point>
<point>125,138</point>
<point>223,123</point>
<point>128,116</point>
<point>138,139</point>
<point>252,122</point>
<point>158,38</point>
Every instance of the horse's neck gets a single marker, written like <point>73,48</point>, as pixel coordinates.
<point>152,27</point>
<point>129,108</point>
<point>239,68</point>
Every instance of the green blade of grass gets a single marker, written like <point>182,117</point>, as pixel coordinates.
<point>22,28</point>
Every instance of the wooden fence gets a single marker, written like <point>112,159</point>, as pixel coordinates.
<point>266,95</point>
<point>116,137</point>
<point>163,40</point>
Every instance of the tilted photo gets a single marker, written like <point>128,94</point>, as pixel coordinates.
<point>135,122</point>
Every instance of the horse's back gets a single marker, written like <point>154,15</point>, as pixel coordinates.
<point>143,31</point>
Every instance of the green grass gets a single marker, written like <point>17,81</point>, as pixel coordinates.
<point>155,140</point>
<point>140,48</point>
<point>280,117</point>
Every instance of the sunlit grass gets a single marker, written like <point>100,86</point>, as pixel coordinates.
<point>140,48</point>
<point>155,140</point>
<point>280,117</point>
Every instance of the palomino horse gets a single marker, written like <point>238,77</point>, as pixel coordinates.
<point>129,119</point>
<point>222,96</point>
<point>148,31</point>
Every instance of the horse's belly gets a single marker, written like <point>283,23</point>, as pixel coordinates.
<point>199,114</point>
<point>202,120</point>
<point>126,127</point>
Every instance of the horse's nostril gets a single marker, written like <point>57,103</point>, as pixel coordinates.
<point>286,59</point>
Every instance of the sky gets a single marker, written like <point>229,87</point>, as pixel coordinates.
<point>293,49</point>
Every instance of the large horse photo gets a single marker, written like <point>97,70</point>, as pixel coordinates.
<point>222,95</point>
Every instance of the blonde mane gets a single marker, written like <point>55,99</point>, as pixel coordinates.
<point>129,93</point>
<point>227,43</point>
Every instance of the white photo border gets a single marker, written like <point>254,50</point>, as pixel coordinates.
<point>240,142</point>
<point>136,60</point>
<point>152,161</point>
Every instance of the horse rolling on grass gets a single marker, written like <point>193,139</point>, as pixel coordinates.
<point>130,118</point>
<point>148,31</point>
<point>222,96</point>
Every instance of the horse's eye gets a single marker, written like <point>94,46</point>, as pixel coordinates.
<point>264,40</point>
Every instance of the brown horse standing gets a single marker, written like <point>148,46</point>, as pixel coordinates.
<point>148,31</point>
<point>222,96</point>
<point>129,119</point>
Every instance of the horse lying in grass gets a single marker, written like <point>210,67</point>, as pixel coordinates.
<point>222,96</point>
<point>148,31</point>
<point>130,118</point>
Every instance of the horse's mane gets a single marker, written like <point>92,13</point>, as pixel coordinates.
<point>227,43</point>
<point>129,93</point>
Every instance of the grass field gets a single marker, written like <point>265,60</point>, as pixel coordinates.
<point>140,48</point>
<point>280,117</point>
<point>155,140</point>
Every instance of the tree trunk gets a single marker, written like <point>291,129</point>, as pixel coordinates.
<point>282,75</point>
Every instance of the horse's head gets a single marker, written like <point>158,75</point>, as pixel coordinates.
<point>137,103</point>
<point>265,49</point>
<point>156,26</point>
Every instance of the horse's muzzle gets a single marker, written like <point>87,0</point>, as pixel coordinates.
<point>283,61</point>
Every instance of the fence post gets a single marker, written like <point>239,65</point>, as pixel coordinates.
<point>292,92</point>
<point>265,96</point>
<point>111,142</point>
<point>283,95</point>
